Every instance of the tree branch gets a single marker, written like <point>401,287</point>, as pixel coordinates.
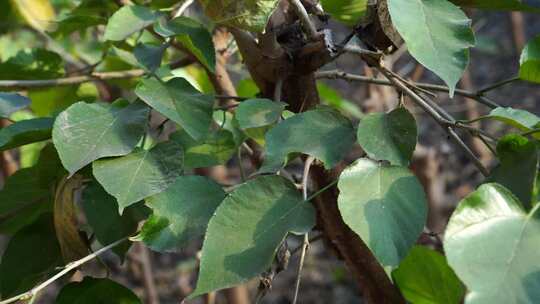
<point>336,74</point>
<point>72,80</point>
<point>302,14</point>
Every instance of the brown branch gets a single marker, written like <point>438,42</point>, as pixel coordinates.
<point>336,74</point>
<point>72,80</point>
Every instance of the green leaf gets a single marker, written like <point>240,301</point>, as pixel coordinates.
<point>177,100</point>
<point>216,149</point>
<point>181,213</point>
<point>226,121</point>
<point>438,34</point>
<point>192,35</point>
<point>255,113</point>
<point>85,132</point>
<point>149,56</point>
<point>385,205</point>
<point>520,119</point>
<point>128,20</point>
<point>31,255</point>
<point>518,167</point>
<point>25,132</point>
<point>334,99</point>
<point>247,229</point>
<point>92,291</point>
<point>492,245</point>
<point>250,15</point>
<point>108,225</point>
<point>425,277</point>
<point>32,64</point>
<point>346,11</point>
<point>140,174</point>
<point>11,103</point>
<point>322,133</point>
<point>48,102</point>
<point>510,5</point>
<point>77,23</point>
<point>529,68</point>
<point>389,136</point>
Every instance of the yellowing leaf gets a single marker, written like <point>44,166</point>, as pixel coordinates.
<point>65,222</point>
<point>39,14</point>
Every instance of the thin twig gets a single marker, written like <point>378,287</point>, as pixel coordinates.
<point>497,85</point>
<point>29,294</point>
<point>336,74</point>
<point>309,27</point>
<point>305,244</point>
<point>72,80</point>
<point>181,10</point>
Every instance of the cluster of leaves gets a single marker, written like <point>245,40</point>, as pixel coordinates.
<point>127,177</point>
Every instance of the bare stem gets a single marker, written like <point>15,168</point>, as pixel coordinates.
<point>305,243</point>
<point>336,74</point>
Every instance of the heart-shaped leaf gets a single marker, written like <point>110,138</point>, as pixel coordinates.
<point>438,34</point>
<point>85,132</point>
<point>192,35</point>
<point>246,230</point>
<point>128,20</point>
<point>492,245</point>
<point>179,101</point>
<point>322,133</point>
<point>389,136</point>
<point>140,174</point>
<point>385,205</point>
<point>181,213</point>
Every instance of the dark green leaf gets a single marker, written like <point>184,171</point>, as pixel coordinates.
<point>389,136</point>
<point>180,102</point>
<point>438,34</point>
<point>322,133</point>
<point>518,167</point>
<point>128,20</point>
<point>31,255</point>
<point>385,205</point>
<point>246,230</point>
<point>85,132</point>
<point>149,56</point>
<point>181,213</point>
<point>492,245</point>
<point>74,23</point>
<point>530,61</point>
<point>12,102</point>
<point>140,174</point>
<point>192,35</point>
<point>425,277</point>
<point>216,149</point>
<point>33,64</point>
<point>95,291</point>
<point>255,113</point>
<point>102,215</point>
<point>25,132</point>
